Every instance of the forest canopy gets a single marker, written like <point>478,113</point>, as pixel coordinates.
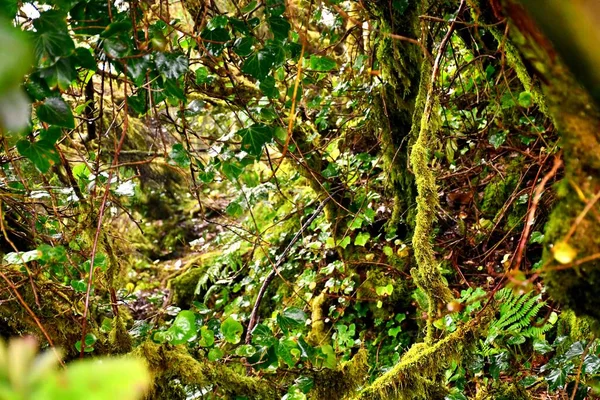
<point>299,199</point>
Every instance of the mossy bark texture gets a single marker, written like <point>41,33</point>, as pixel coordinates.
<point>578,121</point>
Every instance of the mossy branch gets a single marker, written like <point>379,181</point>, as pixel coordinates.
<point>416,375</point>
<point>427,275</point>
<point>167,363</point>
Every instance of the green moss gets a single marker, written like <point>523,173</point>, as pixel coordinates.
<point>496,193</point>
<point>341,382</point>
<point>419,374</point>
<point>317,335</point>
<point>184,286</point>
<point>167,364</point>
<point>427,276</point>
<point>503,391</point>
<point>577,287</point>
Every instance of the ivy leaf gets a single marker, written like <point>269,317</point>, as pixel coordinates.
<point>591,364</point>
<point>243,46</point>
<point>232,330</point>
<point>291,318</point>
<point>179,156</point>
<point>183,328</point>
<point>255,137</point>
<point>263,336</point>
<point>215,40</point>
<point>56,111</point>
<point>497,139</point>
<point>137,68</point>
<point>556,378</point>
<point>362,238</point>
<point>285,351</point>
<point>116,47</point>
<point>234,209</point>
<point>42,153</point>
<point>171,65</point>
<point>61,74</point>
<point>280,27</point>
<point>50,45</point>
<point>232,169</point>
<point>259,64</point>
<point>322,64</point>
<point>267,86</point>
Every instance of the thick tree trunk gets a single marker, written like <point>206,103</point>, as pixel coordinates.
<point>565,43</point>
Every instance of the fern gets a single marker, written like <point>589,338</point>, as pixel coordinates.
<point>517,313</point>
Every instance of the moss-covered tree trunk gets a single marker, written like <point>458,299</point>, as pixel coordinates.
<point>572,230</point>
<point>399,63</point>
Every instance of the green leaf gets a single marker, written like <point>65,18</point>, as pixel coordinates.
<point>245,350</point>
<point>90,339</point>
<point>291,318</point>
<point>137,68</point>
<point>42,153</point>
<point>232,330</point>
<point>22,257</point>
<point>322,64</point>
<point>259,64</point>
<point>85,58</point>
<point>171,65</point>
<point>79,285</point>
<point>116,27</point>
<point>244,45</point>
<point>104,378</point>
<point>201,75</point>
<point>525,99</point>
<point>249,7</point>
<point>285,351</point>
<point>15,53</point>
<point>263,336</point>
<point>61,74</point>
<point>499,363</point>
<point>232,169</point>
<point>304,383</point>
<point>497,139</point>
<point>255,137</point>
<point>207,337</point>
<point>56,111</point>
<point>344,242</point>
<point>215,40</point>
<point>50,45</point>
<point>280,27</point>
<point>116,48</point>
<point>269,88</point>
<point>215,354</point>
<point>183,329</point>
<point>362,238</point>
<point>557,378</point>
<point>234,210</point>
<point>179,156</point>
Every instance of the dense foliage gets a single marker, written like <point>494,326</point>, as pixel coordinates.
<point>297,199</point>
